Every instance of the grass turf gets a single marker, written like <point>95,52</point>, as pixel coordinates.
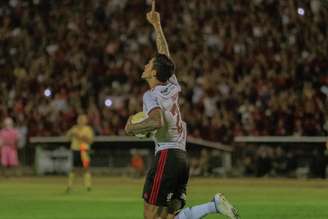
<point>119,198</point>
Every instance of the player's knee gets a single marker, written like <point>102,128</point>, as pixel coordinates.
<point>149,211</point>
<point>148,215</point>
<point>175,205</point>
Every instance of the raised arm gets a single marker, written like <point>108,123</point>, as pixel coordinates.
<point>154,19</point>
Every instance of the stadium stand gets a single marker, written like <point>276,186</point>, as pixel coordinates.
<point>255,68</point>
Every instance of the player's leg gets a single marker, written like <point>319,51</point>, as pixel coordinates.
<point>4,161</point>
<point>178,202</point>
<point>87,179</point>
<point>219,204</point>
<point>71,174</point>
<point>13,161</point>
<point>198,211</point>
<point>162,212</point>
<point>70,182</point>
<point>85,157</point>
<point>156,187</point>
<point>155,212</point>
<point>165,187</point>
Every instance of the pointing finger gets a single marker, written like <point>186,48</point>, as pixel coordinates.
<point>153,6</point>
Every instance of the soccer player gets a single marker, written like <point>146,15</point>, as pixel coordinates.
<point>81,136</point>
<point>9,138</point>
<point>164,191</point>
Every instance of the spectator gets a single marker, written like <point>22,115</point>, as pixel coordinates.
<point>9,140</point>
<point>258,68</point>
<point>81,136</point>
<point>248,163</point>
<point>215,164</point>
<point>137,164</point>
<point>318,164</point>
<point>279,163</point>
<point>263,162</point>
<point>291,163</point>
<point>195,168</point>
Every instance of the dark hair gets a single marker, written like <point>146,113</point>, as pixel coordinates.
<point>164,67</point>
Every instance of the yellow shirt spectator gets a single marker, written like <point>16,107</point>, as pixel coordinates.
<point>81,135</point>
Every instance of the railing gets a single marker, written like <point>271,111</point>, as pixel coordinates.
<point>99,139</point>
<point>282,139</point>
<point>115,150</point>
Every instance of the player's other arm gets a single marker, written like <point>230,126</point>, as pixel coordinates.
<point>70,133</point>
<point>87,136</point>
<point>153,122</point>
<point>154,19</point>
<point>74,133</point>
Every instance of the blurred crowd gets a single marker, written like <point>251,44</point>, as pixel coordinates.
<point>255,67</point>
<point>304,161</point>
<point>285,161</point>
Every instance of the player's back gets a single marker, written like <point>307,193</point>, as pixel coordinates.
<point>173,133</point>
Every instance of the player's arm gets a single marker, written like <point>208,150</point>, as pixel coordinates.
<point>84,138</point>
<point>70,133</point>
<point>154,19</point>
<point>87,136</point>
<point>153,122</point>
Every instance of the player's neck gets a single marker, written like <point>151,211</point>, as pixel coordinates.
<point>153,83</point>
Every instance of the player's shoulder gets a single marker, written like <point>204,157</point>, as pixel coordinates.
<point>74,127</point>
<point>91,129</point>
<point>166,90</point>
<point>88,128</point>
<point>148,95</point>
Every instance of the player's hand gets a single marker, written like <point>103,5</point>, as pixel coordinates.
<point>127,128</point>
<point>153,16</point>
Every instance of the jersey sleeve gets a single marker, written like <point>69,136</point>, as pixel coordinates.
<point>149,102</point>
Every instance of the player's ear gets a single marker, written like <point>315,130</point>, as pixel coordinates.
<point>153,72</point>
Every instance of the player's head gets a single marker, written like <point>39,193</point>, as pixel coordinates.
<point>160,68</point>
<point>82,120</point>
<point>8,123</point>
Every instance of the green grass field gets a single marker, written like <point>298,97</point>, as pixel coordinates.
<point>119,198</point>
